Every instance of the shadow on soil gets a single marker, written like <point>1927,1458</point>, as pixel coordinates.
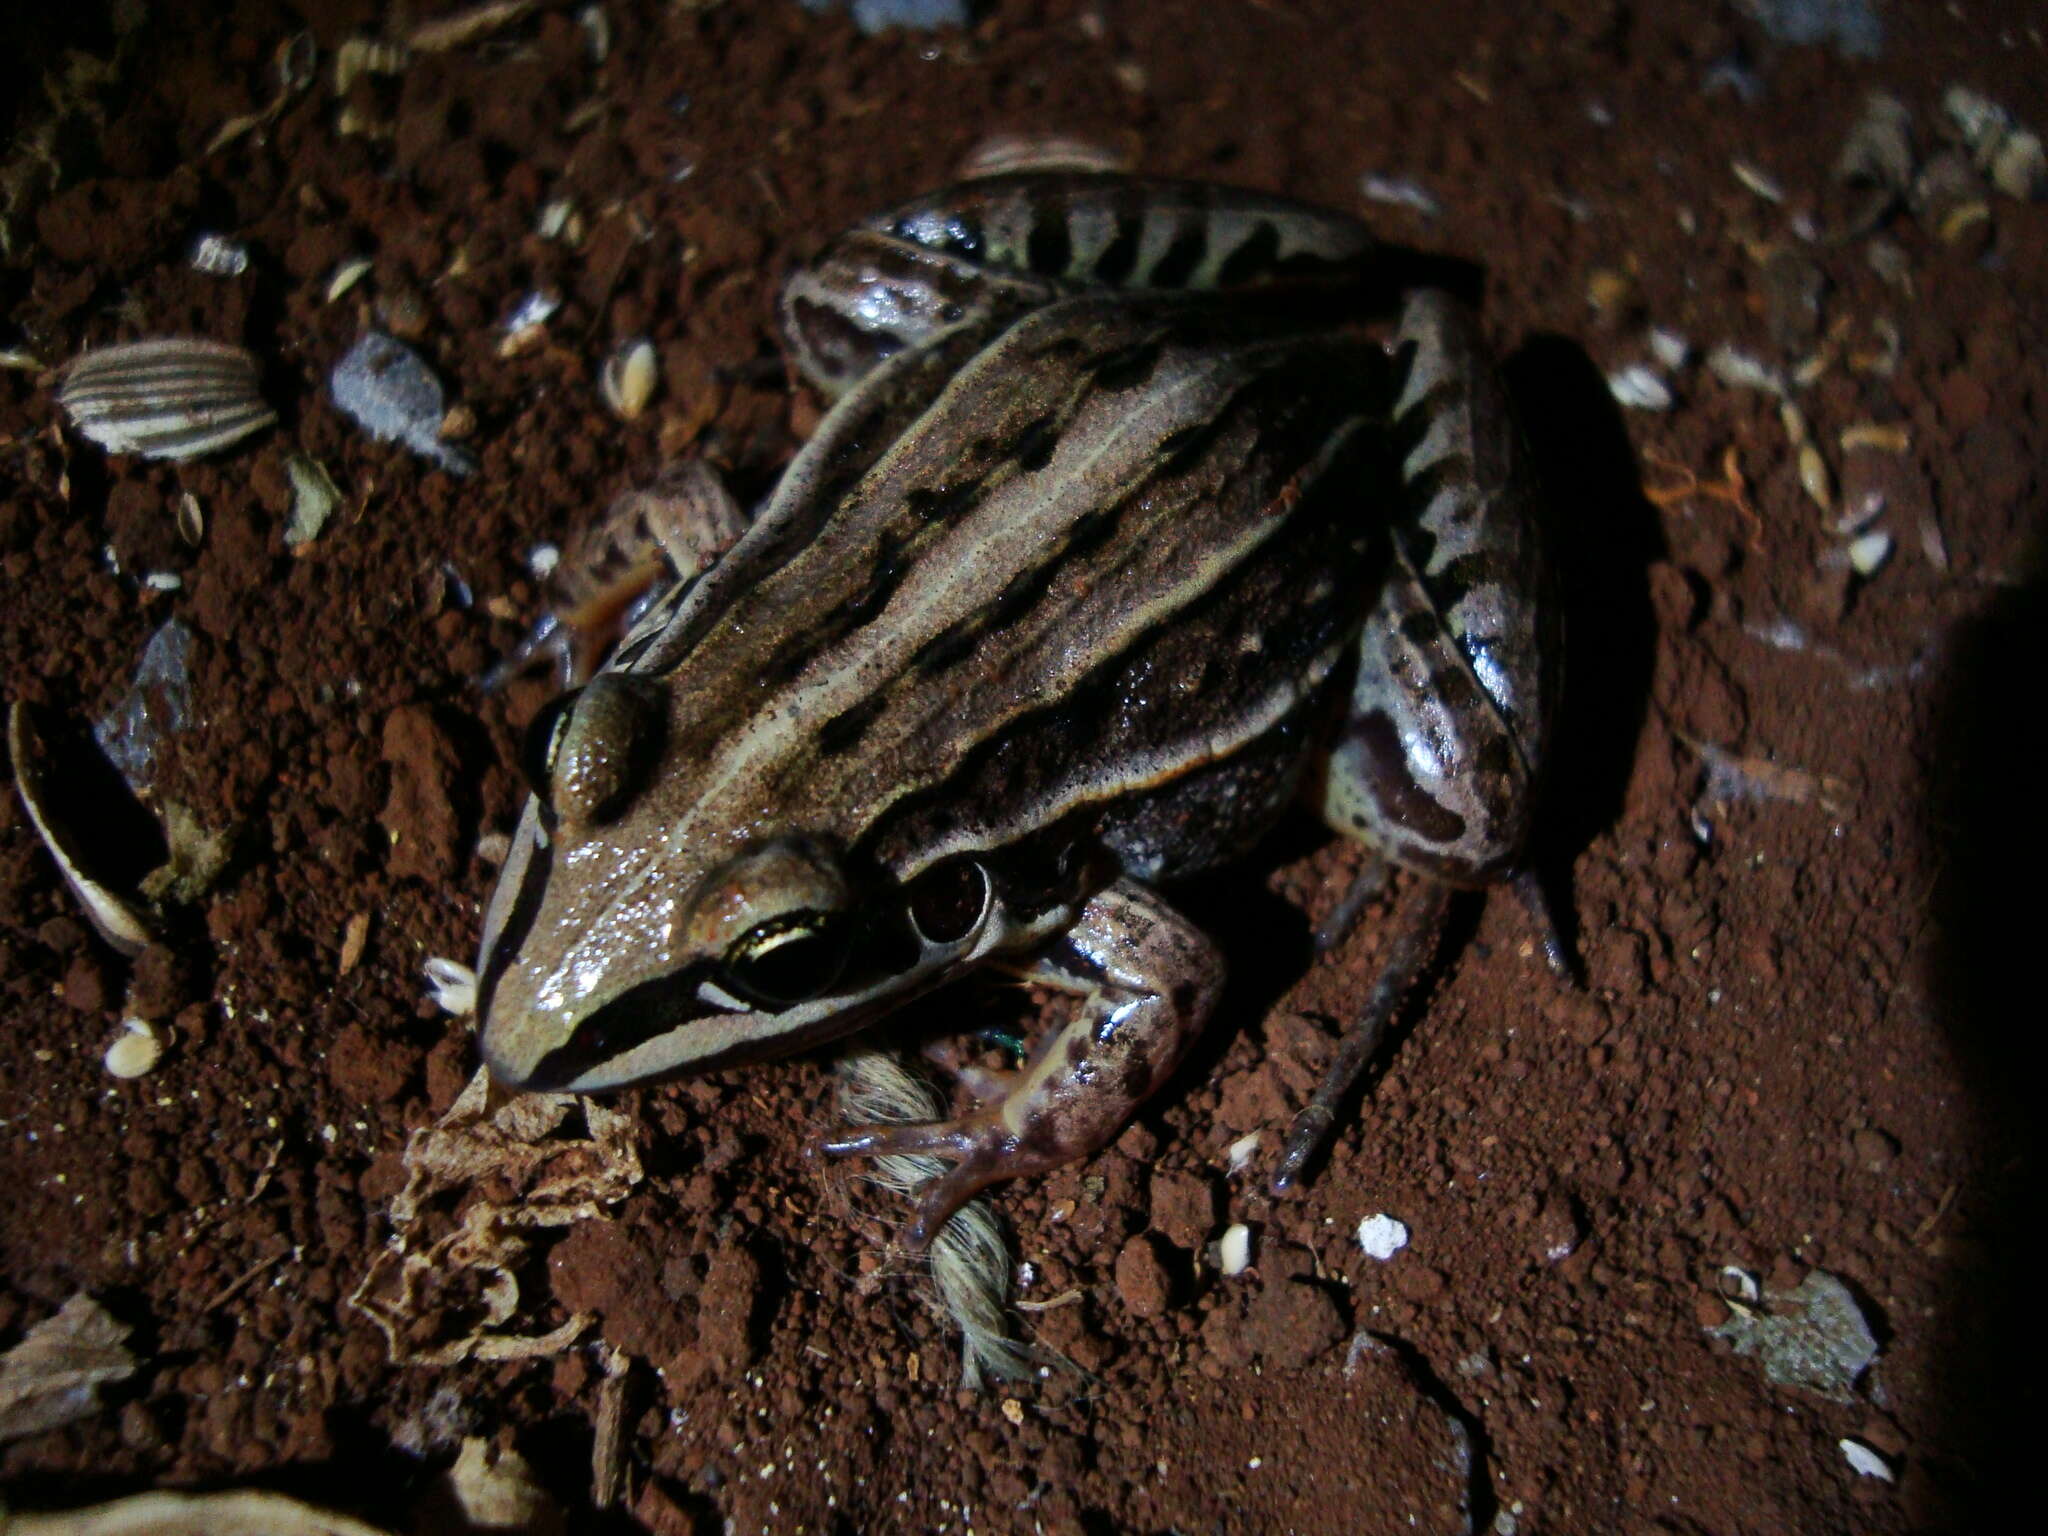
<point>1603,537</point>
<point>1988,830</point>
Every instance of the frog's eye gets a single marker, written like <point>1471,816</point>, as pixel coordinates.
<point>587,751</point>
<point>947,900</point>
<point>789,959</point>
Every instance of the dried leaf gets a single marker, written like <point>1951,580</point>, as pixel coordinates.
<point>240,1512</point>
<point>52,1377</point>
<point>490,1171</point>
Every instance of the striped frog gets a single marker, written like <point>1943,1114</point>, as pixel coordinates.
<point>1142,509</point>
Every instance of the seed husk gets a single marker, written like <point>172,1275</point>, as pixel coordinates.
<point>171,397</point>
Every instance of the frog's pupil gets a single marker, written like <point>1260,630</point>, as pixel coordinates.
<point>790,959</point>
<point>946,901</point>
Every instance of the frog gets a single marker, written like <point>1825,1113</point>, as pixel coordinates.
<point>1142,510</point>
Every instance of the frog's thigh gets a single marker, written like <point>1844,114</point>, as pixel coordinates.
<point>1434,762</point>
<point>1422,769</point>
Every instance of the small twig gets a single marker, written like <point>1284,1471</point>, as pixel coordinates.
<point>234,1287</point>
<point>1941,1206</point>
<point>1064,1299</point>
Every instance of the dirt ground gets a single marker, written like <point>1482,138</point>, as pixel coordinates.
<point>1785,800</point>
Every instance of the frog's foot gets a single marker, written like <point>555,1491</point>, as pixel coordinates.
<point>1418,921</point>
<point>983,1151</point>
<point>1536,902</point>
<point>1367,886</point>
<point>1147,980</point>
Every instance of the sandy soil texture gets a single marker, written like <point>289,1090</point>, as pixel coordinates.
<point>1790,793</point>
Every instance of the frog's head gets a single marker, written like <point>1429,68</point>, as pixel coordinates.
<point>611,956</point>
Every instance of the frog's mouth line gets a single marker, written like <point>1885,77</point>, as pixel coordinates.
<point>536,854</point>
<point>621,1043</point>
<point>624,1025</point>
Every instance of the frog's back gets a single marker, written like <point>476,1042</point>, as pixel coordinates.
<point>1118,544</point>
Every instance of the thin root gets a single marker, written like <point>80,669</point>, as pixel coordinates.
<point>1732,489</point>
<point>970,1261</point>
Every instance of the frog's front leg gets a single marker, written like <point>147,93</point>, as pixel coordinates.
<point>649,542</point>
<point>1147,979</point>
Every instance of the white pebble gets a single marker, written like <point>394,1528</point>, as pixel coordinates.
<point>1382,1237</point>
<point>1638,388</point>
<point>1234,1249</point>
<point>1868,554</point>
<point>1240,1153</point>
<point>1866,1461</point>
<point>218,256</point>
<point>526,324</point>
<point>1399,192</point>
<point>136,1052</point>
<point>1758,180</point>
<point>554,219</point>
<point>1670,348</point>
<point>1744,370</point>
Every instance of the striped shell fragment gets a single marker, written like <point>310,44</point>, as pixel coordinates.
<point>171,397</point>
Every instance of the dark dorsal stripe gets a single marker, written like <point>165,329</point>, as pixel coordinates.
<point>1475,568</point>
<point>1033,448</point>
<point>848,726</point>
<point>1254,258</point>
<point>1128,367</point>
<point>1182,257</point>
<point>1120,257</point>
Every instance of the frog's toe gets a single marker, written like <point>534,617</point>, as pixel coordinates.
<point>981,1151</point>
<point>941,1199</point>
<point>942,1138</point>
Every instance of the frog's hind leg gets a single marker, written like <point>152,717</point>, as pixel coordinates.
<point>649,543</point>
<point>1419,921</point>
<point>1435,764</point>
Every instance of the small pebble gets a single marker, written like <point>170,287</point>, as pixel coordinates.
<point>1382,1237</point>
<point>1240,1153</point>
<point>1868,554</point>
<point>1757,180</point>
<point>1865,1461</point>
<point>1399,192</point>
<point>1670,348</point>
<point>1141,1279</point>
<point>218,256</point>
<point>1638,388</point>
<point>1744,370</point>
<point>1234,1249</point>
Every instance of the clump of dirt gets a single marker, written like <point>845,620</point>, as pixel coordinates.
<point>1786,788</point>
